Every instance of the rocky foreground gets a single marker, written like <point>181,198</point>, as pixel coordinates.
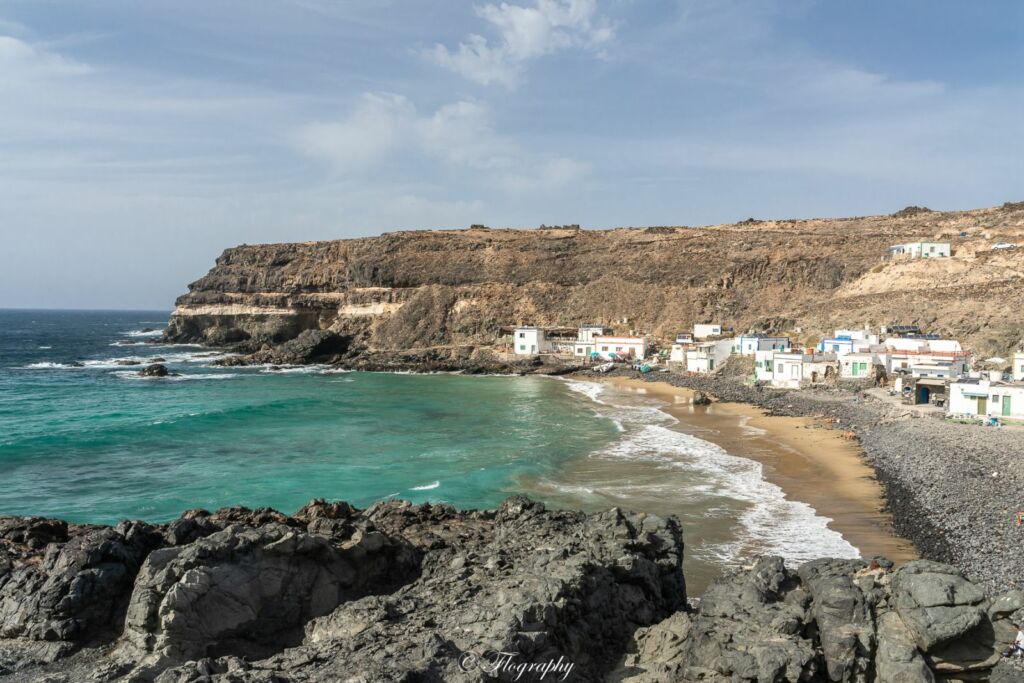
<point>399,592</point>
<point>954,490</point>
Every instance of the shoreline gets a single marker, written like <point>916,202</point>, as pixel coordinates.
<point>809,462</point>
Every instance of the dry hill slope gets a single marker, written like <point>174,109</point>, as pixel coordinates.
<point>447,288</point>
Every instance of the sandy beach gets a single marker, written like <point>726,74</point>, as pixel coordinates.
<point>809,461</point>
<point>811,464</point>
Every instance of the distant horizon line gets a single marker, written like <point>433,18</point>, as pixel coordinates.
<point>84,310</point>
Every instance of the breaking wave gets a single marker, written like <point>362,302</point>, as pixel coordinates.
<point>770,522</point>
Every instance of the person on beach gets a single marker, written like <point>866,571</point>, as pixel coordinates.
<point>1017,646</point>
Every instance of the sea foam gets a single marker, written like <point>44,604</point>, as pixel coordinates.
<point>771,523</point>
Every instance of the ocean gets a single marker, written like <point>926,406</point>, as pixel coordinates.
<point>84,438</point>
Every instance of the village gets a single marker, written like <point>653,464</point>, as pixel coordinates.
<point>911,365</point>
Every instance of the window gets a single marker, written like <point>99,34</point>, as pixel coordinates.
<point>522,335</point>
<point>604,348</point>
<point>995,399</point>
<point>522,347</point>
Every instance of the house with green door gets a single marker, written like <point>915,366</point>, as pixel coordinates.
<point>862,364</point>
<point>985,398</point>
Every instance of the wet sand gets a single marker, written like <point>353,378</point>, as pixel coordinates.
<point>807,460</point>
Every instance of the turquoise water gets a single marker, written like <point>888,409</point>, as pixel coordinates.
<point>99,444</point>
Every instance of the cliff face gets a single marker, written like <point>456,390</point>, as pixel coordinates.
<point>449,288</point>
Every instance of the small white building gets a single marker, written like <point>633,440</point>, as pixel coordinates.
<point>1018,366</point>
<point>792,369</point>
<point>923,357</point>
<point>921,250</point>
<point>530,341</point>
<point>678,353</point>
<point>705,357</point>
<point>986,398</point>
<point>749,344</point>
<point>706,331</point>
<point>764,365</point>
<point>634,348</point>
<point>861,364</point>
<point>585,346</point>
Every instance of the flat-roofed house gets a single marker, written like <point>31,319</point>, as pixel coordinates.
<point>862,364</point>
<point>921,250</point>
<point>749,344</point>
<point>764,365</point>
<point>921,357</point>
<point>705,357</point>
<point>706,331</point>
<point>976,397</point>
<point>793,368</point>
<point>634,348</point>
<point>530,341</point>
<point>1017,359</point>
<point>585,346</point>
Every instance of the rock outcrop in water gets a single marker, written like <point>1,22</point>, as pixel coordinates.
<point>399,592</point>
<point>441,298</point>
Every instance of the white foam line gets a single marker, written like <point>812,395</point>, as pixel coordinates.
<point>427,487</point>
<point>772,524</point>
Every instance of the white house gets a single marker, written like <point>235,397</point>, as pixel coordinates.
<point>793,368</point>
<point>921,249</point>
<point>843,342</point>
<point>749,344</point>
<point>1018,366</point>
<point>985,398</point>
<point>706,357</point>
<point>865,335</point>
<point>840,346</point>
<point>860,364</point>
<point>620,347</point>
<point>925,357</point>
<point>584,345</point>
<point>704,331</point>
<point>678,353</point>
<point>764,365</point>
<point>530,341</point>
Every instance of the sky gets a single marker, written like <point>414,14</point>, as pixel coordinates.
<point>140,139</point>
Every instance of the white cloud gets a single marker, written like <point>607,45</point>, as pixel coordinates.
<point>850,84</point>
<point>524,34</point>
<point>366,137</point>
<point>550,175</point>
<point>461,133</point>
<point>21,62</point>
<point>385,124</point>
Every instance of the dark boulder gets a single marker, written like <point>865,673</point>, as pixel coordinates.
<point>155,370</point>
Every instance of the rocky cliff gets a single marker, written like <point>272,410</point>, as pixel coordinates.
<point>449,292</point>
<point>425,593</point>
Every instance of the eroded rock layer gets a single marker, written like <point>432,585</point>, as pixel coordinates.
<point>449,292</point>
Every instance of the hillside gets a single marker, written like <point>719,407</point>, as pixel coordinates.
<point>447,288</point>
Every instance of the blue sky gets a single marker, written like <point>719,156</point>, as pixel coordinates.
<point>137,140</point>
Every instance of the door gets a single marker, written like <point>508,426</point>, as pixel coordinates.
<point>1006,406</point>
<point>854,369</point>
<point>983,405</point>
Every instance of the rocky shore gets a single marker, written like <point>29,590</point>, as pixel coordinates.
<point>399,592</point>
<point>953,489</point>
